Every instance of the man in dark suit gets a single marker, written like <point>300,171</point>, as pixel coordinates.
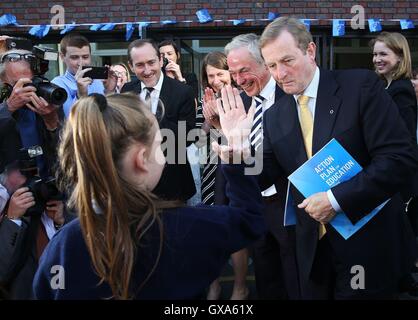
<point>275,254</point>
<point>176,113</point>
<point>352,107</point>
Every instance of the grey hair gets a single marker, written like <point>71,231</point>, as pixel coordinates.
<point>250,41</point>
<point>3,65</point>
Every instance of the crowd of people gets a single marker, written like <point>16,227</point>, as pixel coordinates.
<point>106,186</point>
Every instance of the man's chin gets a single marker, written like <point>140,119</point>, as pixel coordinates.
<point>150,83</point>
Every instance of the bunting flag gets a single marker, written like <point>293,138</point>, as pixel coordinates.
<point>307,23</point>
<point>338,28</point>
<point>96,27</point>
<point>40,31</point>
<point>68,28</point>
<point>141,27</point>
<point>406,24</point>
<point>8,19</point>
<point>272,15</point>
<point>130,28</point>
<point>108,27</point>
<point>204,16</point>
<point>238,22</point>
<point>374,25</point>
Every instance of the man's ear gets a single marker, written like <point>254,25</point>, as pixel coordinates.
<point>141,160</point>
<point>311,50</point>
<point>62,56</point>
<point>131,67</point>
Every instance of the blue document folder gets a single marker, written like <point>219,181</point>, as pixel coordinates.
<point>327,168</point>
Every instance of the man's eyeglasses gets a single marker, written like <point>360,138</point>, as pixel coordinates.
<point>13,57</point>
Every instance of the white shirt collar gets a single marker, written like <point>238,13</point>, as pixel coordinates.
<point>269,89</point>
<point>158,86</point>
<point>312,90</point>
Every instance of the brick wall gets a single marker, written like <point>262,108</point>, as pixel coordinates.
<point>38,11</point>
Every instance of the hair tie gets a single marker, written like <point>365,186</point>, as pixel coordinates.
<point>100,100</point>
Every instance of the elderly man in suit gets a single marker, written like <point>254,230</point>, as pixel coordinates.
<point>352,107</point>
<point>173,103</point>
<point>274,255</point>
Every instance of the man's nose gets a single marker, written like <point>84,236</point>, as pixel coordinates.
<point>281,73</point>
<point>240,79</point>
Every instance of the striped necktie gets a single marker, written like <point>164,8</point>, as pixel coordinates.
<point>306,124</point>
<point>148,97</point>
<point>256,134</point>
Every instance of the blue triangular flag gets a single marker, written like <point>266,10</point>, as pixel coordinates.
<point>307,23</point>
<point>7,19</point>
<point>203,16</point>
<point>407,24</point>
<point>168,22</point>
<point>238,21</point>
<point>68,28</point>
<point>40,31</point>
<point>273,15</point>
<point>96,27</point>
<point>374,25</point>
<point>141,27</point>
<point>108,27</point>
<point>130,28</point>
<point>338,28</point>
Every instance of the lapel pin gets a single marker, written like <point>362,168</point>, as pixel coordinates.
<point>331,111</point>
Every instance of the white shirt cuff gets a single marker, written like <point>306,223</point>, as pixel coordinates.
<point>17,221</point>
<point>333,201</point>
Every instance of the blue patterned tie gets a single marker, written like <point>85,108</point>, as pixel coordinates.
<point>256,134</point>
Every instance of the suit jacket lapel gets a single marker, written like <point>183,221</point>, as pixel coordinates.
<point>278,93</point>
<point>165,92</point>
<point>326,110</point>
<point>288,121</point>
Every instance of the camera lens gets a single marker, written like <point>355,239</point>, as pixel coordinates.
<point>58,96</point>
<point>52,93</point>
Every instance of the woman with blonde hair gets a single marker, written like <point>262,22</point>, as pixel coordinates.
<point>392,61</point>
<point>126,242</point>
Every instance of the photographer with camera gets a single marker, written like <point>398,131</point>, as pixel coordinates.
<point>27,224</point>
<point>75,52</point>
<point>30,110</point>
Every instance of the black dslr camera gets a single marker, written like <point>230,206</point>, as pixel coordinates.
<point>43,190</point>
<point>38,60</point>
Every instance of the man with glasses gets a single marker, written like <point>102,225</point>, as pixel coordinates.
<point>25,119</point>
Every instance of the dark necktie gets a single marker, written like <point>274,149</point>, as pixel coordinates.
<point>256,134</point>
<point>148,97</point>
